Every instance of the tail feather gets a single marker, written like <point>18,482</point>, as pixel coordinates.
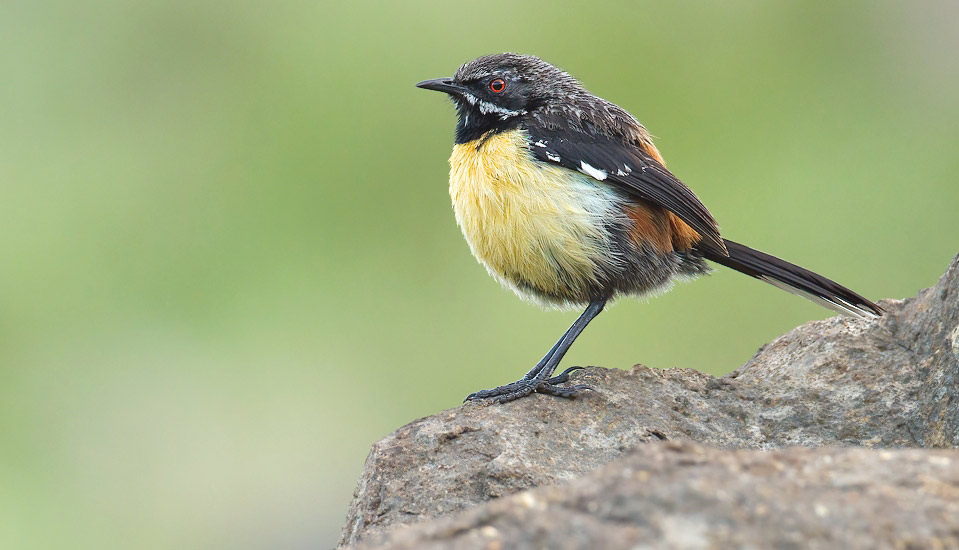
<point>794,279</point>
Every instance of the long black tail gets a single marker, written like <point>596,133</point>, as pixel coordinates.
<point>794,279</point>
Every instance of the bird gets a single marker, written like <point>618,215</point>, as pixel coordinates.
<point>564,198</point>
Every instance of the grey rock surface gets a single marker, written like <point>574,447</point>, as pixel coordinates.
<point>889,383</point>
<point>681,496</point>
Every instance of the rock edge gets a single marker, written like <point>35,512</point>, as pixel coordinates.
<point>888,383</point>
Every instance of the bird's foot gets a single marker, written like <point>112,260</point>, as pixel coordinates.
<point>528,386</point>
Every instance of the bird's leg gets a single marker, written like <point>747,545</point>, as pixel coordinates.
<point>542,362</point>
<point>538,379</point>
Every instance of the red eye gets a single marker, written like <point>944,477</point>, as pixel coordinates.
<point>497,86</point>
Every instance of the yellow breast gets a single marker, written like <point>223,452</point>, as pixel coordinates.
<point>538,228</point>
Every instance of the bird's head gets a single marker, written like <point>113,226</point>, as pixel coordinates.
<point>494,91</point>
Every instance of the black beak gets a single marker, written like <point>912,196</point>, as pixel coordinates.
<point>442,85</point>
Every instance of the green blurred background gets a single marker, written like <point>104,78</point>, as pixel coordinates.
<point>229,263</point>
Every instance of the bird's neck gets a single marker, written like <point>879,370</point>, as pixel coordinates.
<point>474,124</point>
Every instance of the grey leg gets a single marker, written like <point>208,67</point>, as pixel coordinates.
<point>538,378</point>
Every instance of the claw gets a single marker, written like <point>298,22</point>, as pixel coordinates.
<point>563,376</point>
<point>495,392</point>
<point>525,387</point>
<point>512,396</point>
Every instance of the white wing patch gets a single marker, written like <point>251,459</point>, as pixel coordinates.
<point>594,172</point>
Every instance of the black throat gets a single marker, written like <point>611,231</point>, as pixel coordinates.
<point>473,124</point>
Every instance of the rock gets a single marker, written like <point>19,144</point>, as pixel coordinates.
<point>686,496</point>
<point>888,383</point>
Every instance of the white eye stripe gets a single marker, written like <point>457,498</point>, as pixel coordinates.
<point>487,108</point>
